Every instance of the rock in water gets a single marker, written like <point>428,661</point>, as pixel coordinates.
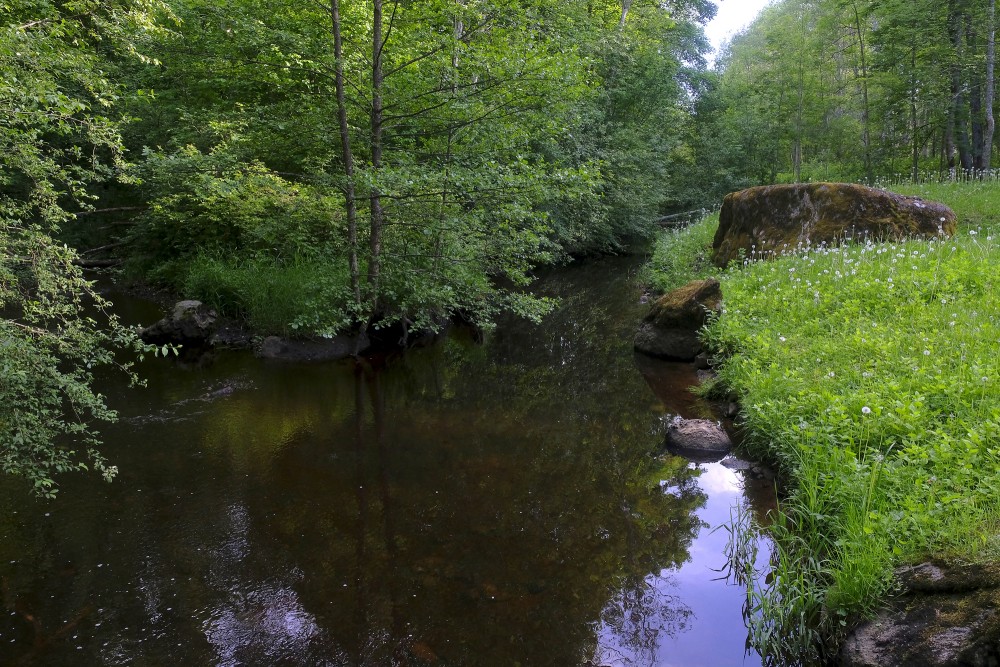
<point>321,349</point>
<point>189,323</point>
<point>700,440</point>
<point>773,219</point>
<point>670,331</point>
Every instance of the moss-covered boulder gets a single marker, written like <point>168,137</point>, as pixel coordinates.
<point>670,330</point>
<point>773,219</point>
<point>947,616</point>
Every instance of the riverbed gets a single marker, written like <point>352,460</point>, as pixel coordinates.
<point>494,501</point>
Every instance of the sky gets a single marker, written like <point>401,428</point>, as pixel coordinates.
<point>732,16</point>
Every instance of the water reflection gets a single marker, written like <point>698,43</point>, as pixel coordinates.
<point>463,504</point>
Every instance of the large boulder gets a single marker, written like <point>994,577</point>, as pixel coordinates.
<point>700,440</point>
<point>189,323</point>
<point>771,219</point>
<point>948,616</point>
<point>670,330</point>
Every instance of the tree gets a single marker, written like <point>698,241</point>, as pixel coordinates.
<point>56,143</point>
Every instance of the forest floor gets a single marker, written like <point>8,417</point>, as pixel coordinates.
<point>868,375</point>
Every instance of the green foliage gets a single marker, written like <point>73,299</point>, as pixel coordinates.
<point>851,90</point>
<point>509,138</point>
<point>56,141</point>
<point>868,374</point>
<point>56,333</point>
<point>214,203</point>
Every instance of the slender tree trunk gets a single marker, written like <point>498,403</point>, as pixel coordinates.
<point>915,164</point>
<point>626,5</point>
<point>377,212</point>
<point>975,99</point>
<point>959,100</point>
<point>990,87</point>
<point>797,149</point>
<point>866,136</point>
<point>348,157</point>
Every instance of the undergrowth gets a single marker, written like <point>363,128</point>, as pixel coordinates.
<point>869,375</point>
<point>271,296</point>
<point>682,255</point>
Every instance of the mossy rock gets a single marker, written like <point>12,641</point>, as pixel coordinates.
<point>770,220</point>
<point>670,330</point>
<point>947,616</point>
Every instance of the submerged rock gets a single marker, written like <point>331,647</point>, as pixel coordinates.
<point>320,349</point>
<point>670,330</point>
<point>700,440</point>
<point>948,616</point>
<point>189,323</point>
<point>774,218</point>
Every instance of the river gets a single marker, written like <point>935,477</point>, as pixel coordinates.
<point>467,503</point>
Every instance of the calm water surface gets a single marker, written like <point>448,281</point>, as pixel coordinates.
<point>464,504</point>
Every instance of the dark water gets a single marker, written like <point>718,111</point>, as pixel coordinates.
<point>463,504</point>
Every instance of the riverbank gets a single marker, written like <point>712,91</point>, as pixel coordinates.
<point>868,375</point>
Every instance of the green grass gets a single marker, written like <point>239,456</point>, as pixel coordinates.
<point>870,376</point>
<point>682,255</point>
<point>297,297</point>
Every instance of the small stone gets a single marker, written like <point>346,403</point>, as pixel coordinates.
<point>699,440</point>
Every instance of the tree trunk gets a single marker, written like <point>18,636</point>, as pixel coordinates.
<point>377,213</point>
<point>915,164</point>
<point>626,5</point>
<point>866,137</point>
<point>347,155</point>
<point>960,104</point>
<point>990,87</point>
<point>975,99</point>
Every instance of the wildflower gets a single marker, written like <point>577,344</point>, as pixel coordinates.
<point>781,338</point>
<point>832,374</point>
<point>866,410</point>
<point>927,353</point>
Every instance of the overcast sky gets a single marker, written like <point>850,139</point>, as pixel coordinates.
<point>731,17</point>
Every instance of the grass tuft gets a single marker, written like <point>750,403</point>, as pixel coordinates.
<point>272,296</point>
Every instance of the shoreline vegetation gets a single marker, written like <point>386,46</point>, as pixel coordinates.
<point>868,375</point>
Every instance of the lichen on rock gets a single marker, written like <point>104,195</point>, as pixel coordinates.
<point>769,220</point>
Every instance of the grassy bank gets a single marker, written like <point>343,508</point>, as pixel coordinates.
<point>869,374</point>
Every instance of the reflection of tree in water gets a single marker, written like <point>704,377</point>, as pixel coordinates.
<point>638,618</point>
